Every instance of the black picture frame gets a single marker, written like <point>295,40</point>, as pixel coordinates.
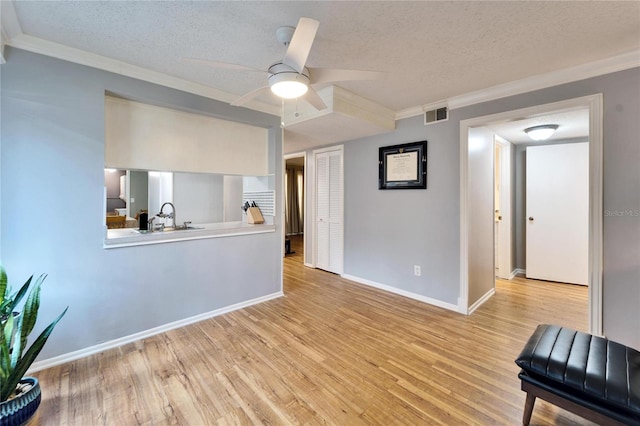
<point>403,166</point>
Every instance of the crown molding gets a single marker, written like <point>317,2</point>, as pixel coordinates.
<point>12,36</point>
<point>541,81</point>
<point>419,110</point>
<point>410,112</point>
<point>59,51</point>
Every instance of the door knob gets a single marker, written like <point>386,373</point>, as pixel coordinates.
<point>530,218</point>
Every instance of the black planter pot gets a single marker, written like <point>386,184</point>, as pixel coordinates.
<point>18,410</point>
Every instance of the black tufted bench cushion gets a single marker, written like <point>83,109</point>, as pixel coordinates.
<point>593,377</point>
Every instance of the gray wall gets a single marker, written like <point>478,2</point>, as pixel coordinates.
<point>519,169</point>
<point>52,138</point>
<point>621,279</point>
<point>387,232</point>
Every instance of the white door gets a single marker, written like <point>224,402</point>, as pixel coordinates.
<point>557,203</point>
<point>496,204</point>
<point>329,211</point>
<point>502,207</point>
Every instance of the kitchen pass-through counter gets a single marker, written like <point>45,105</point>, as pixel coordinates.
<point>127,237</point>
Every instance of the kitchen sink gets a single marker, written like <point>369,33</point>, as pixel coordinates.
<point>169,229</point>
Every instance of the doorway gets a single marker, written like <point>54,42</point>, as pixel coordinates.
<point>477,227</point>
<point>503,200</point>
<point>295,205</point>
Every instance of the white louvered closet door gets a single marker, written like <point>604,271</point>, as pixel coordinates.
<point>329,211</point>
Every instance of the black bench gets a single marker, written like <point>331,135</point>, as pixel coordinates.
<point>590,376</point>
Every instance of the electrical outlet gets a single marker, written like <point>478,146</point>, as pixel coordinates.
<point>416,270</point>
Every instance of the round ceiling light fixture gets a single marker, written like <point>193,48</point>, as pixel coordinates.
<point>541,133</point>
<point>287,83</point>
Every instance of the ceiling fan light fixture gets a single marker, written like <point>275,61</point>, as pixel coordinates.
<point>289,89</point>
<point>541,133</point>
<point>289,85</point>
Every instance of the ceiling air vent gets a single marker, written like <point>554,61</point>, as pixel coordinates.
<point>436,115</point>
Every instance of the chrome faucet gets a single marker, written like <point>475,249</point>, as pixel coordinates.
<point>171,215</point>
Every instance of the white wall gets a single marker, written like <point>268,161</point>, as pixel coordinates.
<point>256,183</point>
<point>160,192</point>
<point>481,218</point>
<point>148,137</point>
<point>198,197</point>
<point>232,188</point>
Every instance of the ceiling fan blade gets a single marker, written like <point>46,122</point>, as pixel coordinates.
<point>328,75</point>
<point>222,65</point>
<point>314,99</point>
<point>301,42</point>
<point>252,94</point>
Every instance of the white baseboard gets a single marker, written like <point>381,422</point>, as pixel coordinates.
<point>309,265</point>
<point>410,295</point>
<point>480,301</point>
<point>72,356</point>
<point>516,272</point>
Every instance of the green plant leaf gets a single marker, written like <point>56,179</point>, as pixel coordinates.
<point>30,310</point>
<point>5,347</point>
<point>8,330</point>
<point>4,354</point>
<point>9,385</point>
<point>20,294</point>
<point>3,281</point>
<point>18,344</point>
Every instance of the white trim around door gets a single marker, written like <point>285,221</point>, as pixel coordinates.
<point>594,103</point>
<point>305,226</point>
<point>504,237</point>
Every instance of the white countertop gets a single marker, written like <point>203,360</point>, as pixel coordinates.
<point>127,237</point>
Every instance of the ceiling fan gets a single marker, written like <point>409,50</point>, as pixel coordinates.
<point>290,78</point>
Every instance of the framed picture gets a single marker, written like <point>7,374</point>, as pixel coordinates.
<point>403,166</point>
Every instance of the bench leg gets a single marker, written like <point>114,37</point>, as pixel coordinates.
<point>528,409</point>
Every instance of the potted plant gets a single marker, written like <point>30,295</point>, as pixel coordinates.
<point>19,396</point>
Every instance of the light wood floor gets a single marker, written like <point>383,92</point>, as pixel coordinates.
<point>297,247</point>
<point>329,352</point>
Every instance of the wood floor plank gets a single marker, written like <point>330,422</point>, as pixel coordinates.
<point>329,352</point>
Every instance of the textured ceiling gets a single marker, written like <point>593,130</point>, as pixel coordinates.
<point>430,50</point>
